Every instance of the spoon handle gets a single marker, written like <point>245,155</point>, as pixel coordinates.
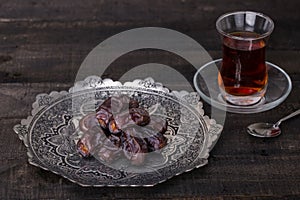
<point>297,112</point>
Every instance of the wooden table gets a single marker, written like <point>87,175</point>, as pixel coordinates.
<point>43,44</point>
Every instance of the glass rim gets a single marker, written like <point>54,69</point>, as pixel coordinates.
<point>261,36</point>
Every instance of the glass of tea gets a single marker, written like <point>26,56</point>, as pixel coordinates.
<point>243,77</point>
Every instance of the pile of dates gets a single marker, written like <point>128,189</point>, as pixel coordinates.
<point>121,127</point>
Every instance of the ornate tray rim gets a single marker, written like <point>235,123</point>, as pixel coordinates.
<point>44,100</point>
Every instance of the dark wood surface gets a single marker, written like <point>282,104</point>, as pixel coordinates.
<point>42,45</point>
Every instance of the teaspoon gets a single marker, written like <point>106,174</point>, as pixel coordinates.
<point>268,129</point>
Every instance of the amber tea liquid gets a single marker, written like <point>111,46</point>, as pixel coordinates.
<point>243,71</point>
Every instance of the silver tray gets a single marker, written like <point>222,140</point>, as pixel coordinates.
<point>50,134</point>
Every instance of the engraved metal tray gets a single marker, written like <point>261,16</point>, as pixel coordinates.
<point>51,132</point>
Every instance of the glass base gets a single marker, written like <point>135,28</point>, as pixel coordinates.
<point>248,100</point>
<point>241,100</point>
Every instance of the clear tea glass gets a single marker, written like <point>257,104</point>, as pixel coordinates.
<point>243,76</point>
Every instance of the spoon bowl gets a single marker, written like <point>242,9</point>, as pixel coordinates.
<point>263,130</point>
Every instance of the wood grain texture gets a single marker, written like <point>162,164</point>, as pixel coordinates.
<point>43,43</point>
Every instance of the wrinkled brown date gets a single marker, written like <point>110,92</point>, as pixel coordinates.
<point>90,140</point>
<point>140,116</point>
<point>132,150</point>
<point>95,143</point>
<point>114,108</point>
<point>125,127</point>
<point>151,136</point>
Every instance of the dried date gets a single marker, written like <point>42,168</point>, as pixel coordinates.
<point>124,127</point>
